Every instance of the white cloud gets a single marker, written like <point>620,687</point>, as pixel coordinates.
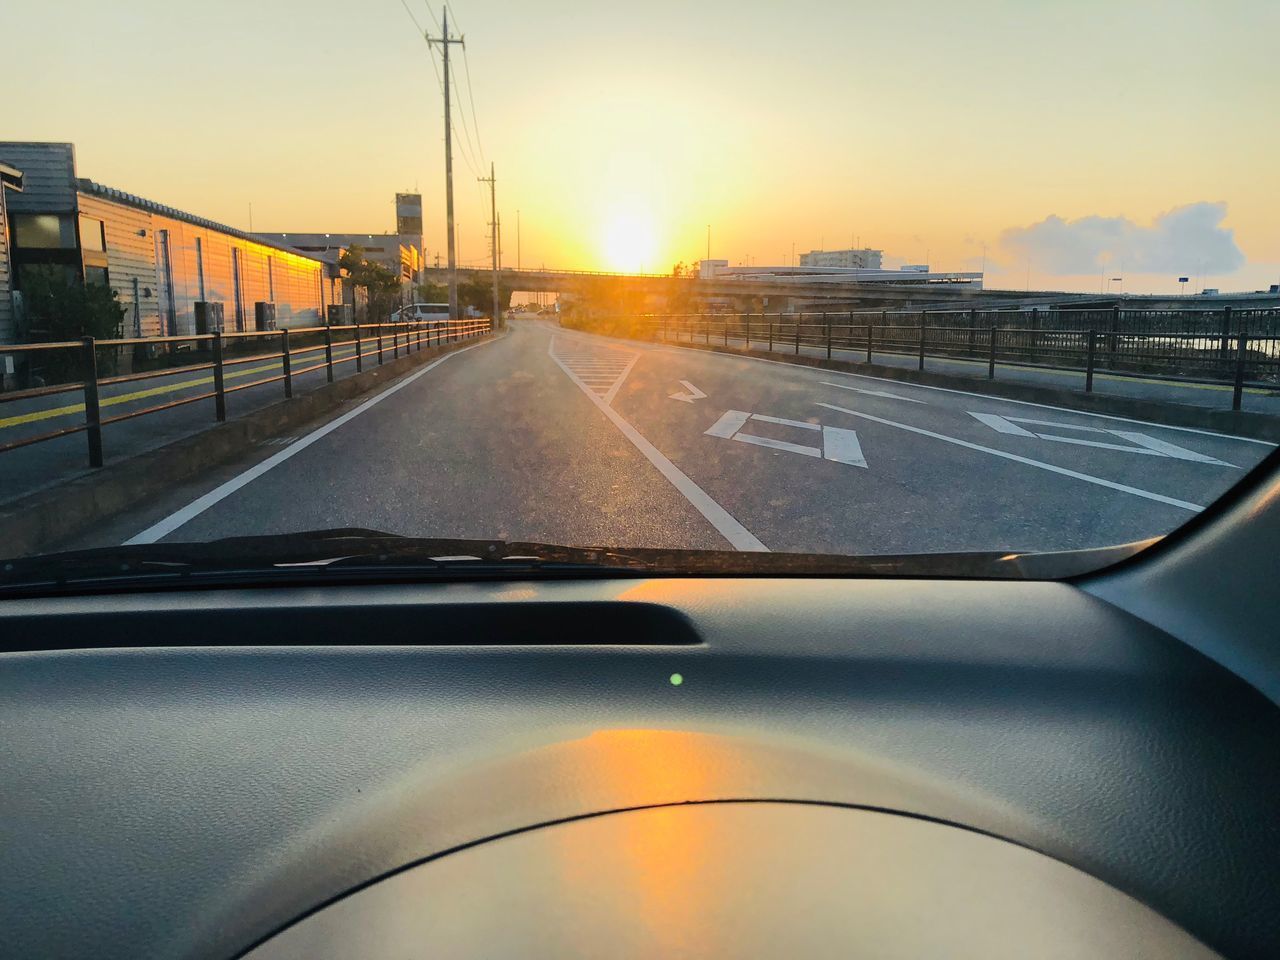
<point>1186,239</point>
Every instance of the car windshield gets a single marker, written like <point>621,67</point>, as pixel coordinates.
<point>310,290</point>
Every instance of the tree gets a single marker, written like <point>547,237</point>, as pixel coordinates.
<point>477,293</point>
<point>59,306</point>
<point>381,284</point>
<point>429,292</point>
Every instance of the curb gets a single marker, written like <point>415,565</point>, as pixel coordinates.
<point>1254,426</point>
<point>29,524</point>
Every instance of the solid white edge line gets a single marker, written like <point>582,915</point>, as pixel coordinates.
<point>739,537</point>
<point>965,393</point>
<point>1063,471</point>
<point>192,510</point>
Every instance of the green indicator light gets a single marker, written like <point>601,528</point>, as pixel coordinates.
<point>676,679</point>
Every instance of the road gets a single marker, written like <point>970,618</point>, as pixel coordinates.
<point>558,436</point>
<point>40,465</point>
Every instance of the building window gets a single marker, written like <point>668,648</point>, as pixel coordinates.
<point>92,234</point>
<point>96,276</point>
<point>43,231</point>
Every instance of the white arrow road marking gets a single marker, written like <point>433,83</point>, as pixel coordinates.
<point>838,445</point>
<point>1139,443</point>
<point>871,393</point>
<point>1063,471</point>
<point>842,446</point>
<point>693,394</point>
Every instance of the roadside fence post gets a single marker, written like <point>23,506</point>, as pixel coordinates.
<point>991,353</point>
<point>379,329</point>
<point>799,318</point>
<point>1089,360</point>
<point>973,332</point>
<point>219,386</point>
<point>870,337</point>
<point>726,330</point>
<point>924,325</point>
<point>1242,348</point>
<point>395,341</point>
<point>706,330</point>
<point>359,351</point>
<point>746,319</point>
<point>92,412</point>
<point>664,328</point>
<point>285,366</point>
<point>828,323</point>
<point>1112,341</point>
<point>1225,350</point>
<point>771,335</point>
<point>1035,334</point>
<point>328,352</point>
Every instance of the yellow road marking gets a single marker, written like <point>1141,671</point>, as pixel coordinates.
<point>38,415</point>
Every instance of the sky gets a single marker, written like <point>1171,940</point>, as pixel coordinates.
<point>1056,145</point>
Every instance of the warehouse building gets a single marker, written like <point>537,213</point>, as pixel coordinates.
<point>401,252</point>
<point>161,262</point>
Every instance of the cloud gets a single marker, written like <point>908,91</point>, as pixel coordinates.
<point>1186,239</point>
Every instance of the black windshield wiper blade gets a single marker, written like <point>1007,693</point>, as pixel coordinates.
<point>303,556</point>
<point>353,554</point>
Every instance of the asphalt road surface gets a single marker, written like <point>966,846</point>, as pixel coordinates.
<point>558,436</point>
<point>40,465</point>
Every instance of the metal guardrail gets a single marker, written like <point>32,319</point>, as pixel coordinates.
<point>1236,347</point>
<point>368,340</point>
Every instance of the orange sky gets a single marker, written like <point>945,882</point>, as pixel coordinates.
<point>620,133</point>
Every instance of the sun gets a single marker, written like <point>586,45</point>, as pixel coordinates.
<point>629,241</point>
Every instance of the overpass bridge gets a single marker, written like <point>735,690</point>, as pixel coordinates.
<point>950,289</point>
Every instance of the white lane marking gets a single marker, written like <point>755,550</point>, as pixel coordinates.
<point>622,377</point>
<point>838,445</point>
<point>1063,471</point>
<point>802,424</point>
<point>1169,449</point>
<point>602,374</point>
<point>778,444</point>
<point>739,537</point>
<point>1139,443</point>
<point>729,424</point>
<point>691,393</point>
<point>192,510</point>
<point>872,393</point>
<point>1000,424</point>
<point>685,351</point>
<point>842,446</point>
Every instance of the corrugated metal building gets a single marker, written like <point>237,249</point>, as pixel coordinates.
<point>10,180</point>
<point>159,260</point>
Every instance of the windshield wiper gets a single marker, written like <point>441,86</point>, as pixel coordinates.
<point>358,555</point>
<point>347,553</point>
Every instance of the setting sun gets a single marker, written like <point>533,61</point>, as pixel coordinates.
<point>629,241</point>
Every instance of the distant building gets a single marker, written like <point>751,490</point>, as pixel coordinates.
<point>401,252</point>
<point>160,261</point>
<point>864,259</point>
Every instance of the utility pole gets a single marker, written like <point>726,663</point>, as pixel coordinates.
<point>445,41</point>
<point>492,181</point>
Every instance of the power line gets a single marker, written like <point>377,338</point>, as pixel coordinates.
<point>466,129</point>
<point>475,120</point>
